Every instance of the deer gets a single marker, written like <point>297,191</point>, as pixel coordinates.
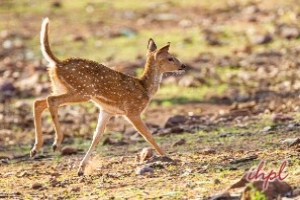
<point>77,80</point>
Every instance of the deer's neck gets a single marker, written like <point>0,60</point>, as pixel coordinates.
<point>151,77</point>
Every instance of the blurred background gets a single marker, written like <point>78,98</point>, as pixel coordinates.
<point>241,55</point>
<point>237,102</point>
<point>236,51</point>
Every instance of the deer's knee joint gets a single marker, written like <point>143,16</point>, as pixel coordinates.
<point>52,102</point>
<point>39,105</point>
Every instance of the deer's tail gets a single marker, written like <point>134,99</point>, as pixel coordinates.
<point>45,46</point>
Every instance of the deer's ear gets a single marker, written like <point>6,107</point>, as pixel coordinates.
<point>151,45</point>
<point>162,51</point>
<point>165,48</point>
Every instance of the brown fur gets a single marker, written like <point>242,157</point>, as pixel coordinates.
<point>79,80</point>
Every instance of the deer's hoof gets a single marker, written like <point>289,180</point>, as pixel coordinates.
<point>80,172</point>
<point>54,147</point>
<point>32,153</point>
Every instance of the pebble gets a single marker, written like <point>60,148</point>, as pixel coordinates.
<point>36,186</point>
<point>141,170</point>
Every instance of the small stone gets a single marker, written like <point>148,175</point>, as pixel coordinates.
<point>165,159</point>
<point>177,129</point>
<point>290,32</point>
<point>36,186</point>
<point>77,38</point>
<point>296,192</point>
<point>179,142</point>
<point>75,189</point>
<point>56,4</point>
<point>209,151</point>
<point>290,127</point>
<point>266,129</point>
<point>6,86</point>
<point>281,118</point>
<point>291,141</point>
<point>274,190</point>
<point>141,170</point>
<point>225,195</point>
<point>68,150</point>
<point>225,134</point>
<point>217,181</point>
<point>175,121</point>
<point>262,39</point>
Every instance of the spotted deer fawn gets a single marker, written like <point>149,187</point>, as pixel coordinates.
<point>79,80</point>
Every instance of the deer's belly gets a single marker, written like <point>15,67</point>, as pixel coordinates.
<point>109,106</point>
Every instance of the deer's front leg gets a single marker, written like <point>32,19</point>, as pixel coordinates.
<point>102,121</point>
<point>140,126</point>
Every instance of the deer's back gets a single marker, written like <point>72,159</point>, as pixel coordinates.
<point>94,80</point>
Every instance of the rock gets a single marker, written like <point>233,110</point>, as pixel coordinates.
<point>222,196</point>
<point>23,174</point>
<point>175,121</point>
<point>126,32</point>
<point>166,17</point>
<point>291,141</point>
<point>212,37</point>
<point>281,118</point>
<point>240,183</point>
<point>37,186</point>
<point>267,128</point>
<point>56,4</point>
<point>296,192</point>
<point>290,127</point>
<point>109,141</point>
<point>262,39</point>
<point>217,181</point>
<point>167,131</point>
<point>4,160</point>
<point>274,190</point>
<point>179,142</point>
<point>289,32</point>
<point>7,90</point>
<point>225,134</point>
<point>68,150</point>
<point>75,189</point>
<point>130,131</point>
<point>142,170</point>
<point>77,38</point>
<point>244,159</point>
<point>245,134</point>
<point>176,129</point>
<point>165,159</point>
<point>7,174</point>
<point>209,151</point>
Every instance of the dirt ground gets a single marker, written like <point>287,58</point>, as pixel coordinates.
<point>236,105</point>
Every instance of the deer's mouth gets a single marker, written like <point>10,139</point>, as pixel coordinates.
<point>182,67</point>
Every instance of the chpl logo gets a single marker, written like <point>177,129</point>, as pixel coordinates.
<point>267,177</point>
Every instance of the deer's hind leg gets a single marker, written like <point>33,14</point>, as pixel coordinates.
<point>53,102</point>
<point>39,106</point>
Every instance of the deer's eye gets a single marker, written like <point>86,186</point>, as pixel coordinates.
<point>170,59</point>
